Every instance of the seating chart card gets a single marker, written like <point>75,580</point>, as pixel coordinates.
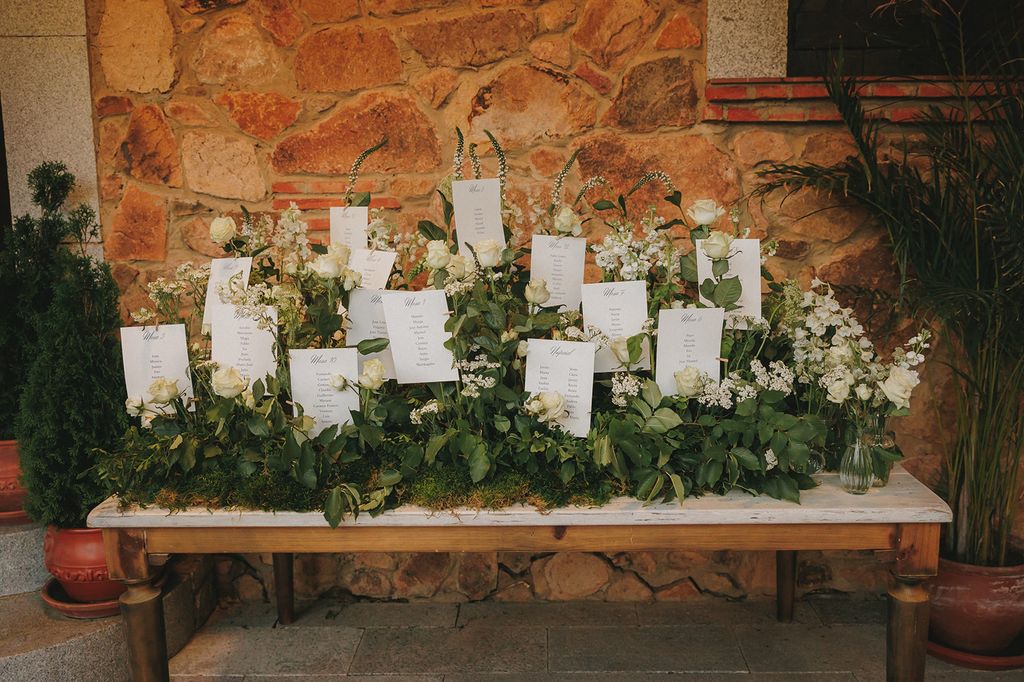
<point>618,309</point>
<point>237,341</point>
<point>477,205</point>
<point>415,322</point>
<point>316,384</point>
<point>366,321</point>
<point>155,352</point>
<point>375,267</point>
<point>559,261</point>
<point>348,226</point>
<point>566,367</point>
<point>745,263</point>
<point>688,337</point>
<point>221,272</point>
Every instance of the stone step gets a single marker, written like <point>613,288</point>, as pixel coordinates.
<point>21,559</point>
<point>37,643</point>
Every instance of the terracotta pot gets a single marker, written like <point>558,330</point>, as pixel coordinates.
<point>12,495</point>
<point>75,558</point>
<point>979,609</point>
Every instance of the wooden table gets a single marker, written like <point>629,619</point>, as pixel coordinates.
<point>903,519</point>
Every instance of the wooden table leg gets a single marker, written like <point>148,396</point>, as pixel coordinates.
<point>917,558</point>
<point>142,608</point>
<point>785,584</point>
<point>284,587</point>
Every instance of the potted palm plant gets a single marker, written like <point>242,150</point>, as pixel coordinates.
<point>953,206</point>
<point>29,248</point>
<point>72,403</point>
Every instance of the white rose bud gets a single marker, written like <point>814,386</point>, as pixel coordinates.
<point>372,376</point>
<point>228,382</point>
<point>327,266</point>
<point>488,253</point>
<point>537,291</point>
<point>223,230</point>
<point>547,406</point>
<point>521,348</point>
<point>838,391</point>
<point>249,399</point>
<point>134,405</point>
<point>353,278</point>
<point>689,381</point>
<point>705,211</point>
<point>567,222</point>
<point>458,266</point>
<point>438,255</point>
<point>338,382</point>
<point>509,335</point>
<point>717,245</point>
<point>620,349</point>
<point>339,252</point>
<point>863,392</point>
<point>898,386</point>
<point>163,390</point>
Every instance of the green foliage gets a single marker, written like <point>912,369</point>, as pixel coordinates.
<point>73,400</point>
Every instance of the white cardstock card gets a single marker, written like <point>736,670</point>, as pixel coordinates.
<point>559,261</point>
<point>221,272</point>
<point>366,321</point>
<point>618,309</point>
<point>348,226</point>
<point>415,322</point>
<point>313,372</point>
<point>151,353</point>
<point>375,267</point>
<point>477,212</point>
<point>745,263</point>
<point>688,337</point>
<point>566,367</point>
<point>237,341</point>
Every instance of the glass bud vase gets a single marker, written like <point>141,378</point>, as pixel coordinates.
<point>883,468</point>
<point>856,473</point>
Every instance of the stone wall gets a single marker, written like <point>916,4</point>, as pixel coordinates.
<point>265,102</point>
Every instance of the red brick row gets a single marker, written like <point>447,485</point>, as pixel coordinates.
<point>324,186</point>
<point>307,203</point>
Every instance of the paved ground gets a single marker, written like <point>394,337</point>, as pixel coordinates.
<point>832,640</point>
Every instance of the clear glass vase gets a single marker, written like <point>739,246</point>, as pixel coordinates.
<point>856,470</point>
<point>883,467</point>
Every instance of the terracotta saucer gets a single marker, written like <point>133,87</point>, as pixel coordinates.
<point>965,659</point>
<point>14,518</point>
<point>55,597</point>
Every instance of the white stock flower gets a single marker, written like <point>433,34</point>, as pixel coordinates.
<point>223,230</point>
<point>705,211</point>
<point>438,255</point>
<point>133,405</point>
<point>163,390</point>
<point>547,406</point>
<point>537,291</point>
<point>898,386</point>
<point>567,222</point>
<point>228,382</point>
<point>373,373</point>
<point>689,381</point>
<point>717,245</point>
<point>488,253</point>
<point>619,347</point>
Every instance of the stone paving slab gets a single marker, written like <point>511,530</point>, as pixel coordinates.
<point>840,648</point>
<point>513,614</point>
<point>655,677</point>
<point>220,651</point>
<point>705,648</point>
<point>838,610</point>
<point>474,648</point>
<point>719,612</point>
<point>334,613</point>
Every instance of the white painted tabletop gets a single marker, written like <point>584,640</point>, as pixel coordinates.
<point>904,500</point>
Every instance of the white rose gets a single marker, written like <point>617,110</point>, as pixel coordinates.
<point>547,406</point>
<point>509,335</point>
<point>339,252</point>
<point>327,266</point>
<point>353,278</point>
<point>228,382</point>
<point>521,348</point>
<point>338,382</point>
<point>488,253</point>
<point>838,391</point>
<point>223,230</point>
<point>537,291</point>
<point>163,390</point>
<point>717,245</point>
<point>458,266</point>
<point>133,405</point>
<point>689,381</point>
<point>705,211</point>
<point>619,347</point>
<point>898,386</point>
<point>249,399</point>
<point>567,222</point>
<point>438,255</point>
<point>372,377</point>
<point>863,392</point>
